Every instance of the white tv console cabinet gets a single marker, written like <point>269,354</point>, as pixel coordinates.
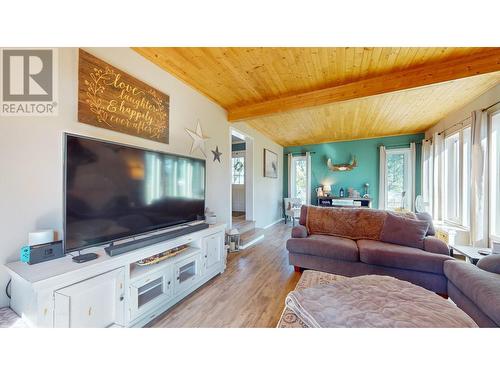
<point>114,291</point>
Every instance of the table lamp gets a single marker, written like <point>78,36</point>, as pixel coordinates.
<point>327,190</point>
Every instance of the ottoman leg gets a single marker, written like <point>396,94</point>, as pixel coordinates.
<point>298,269</point>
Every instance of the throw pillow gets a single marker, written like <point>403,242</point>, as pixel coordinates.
<point>425,216</point>
<point>404,231</point>
<point>490,263</point>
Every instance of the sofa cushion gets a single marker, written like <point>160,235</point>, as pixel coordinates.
<point>325,246</point>
<point>404,231</point>
<point>397,256</point>
<point>351,223</point>
<point>425,216</point>
<point>491,263</point>
<point>303,214</point>
<point>481,287</point>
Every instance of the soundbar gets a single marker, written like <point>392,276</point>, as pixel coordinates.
<point>117,249</point>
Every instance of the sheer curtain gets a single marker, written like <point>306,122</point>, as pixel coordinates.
<point>308,189</point>
<point>290,175</point>
<point>438,176</point>
<point>412,165</point>
<point>479,175</point>
<point>382,178</point>
<point>427,174</point>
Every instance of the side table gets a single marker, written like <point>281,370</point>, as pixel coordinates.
<point>471,253</point>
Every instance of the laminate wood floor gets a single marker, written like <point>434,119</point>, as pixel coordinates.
<point>250,293</point>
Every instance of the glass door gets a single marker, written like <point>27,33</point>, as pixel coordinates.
<point>399,180</point>
<point>298,179</point>
<point>186,274</point>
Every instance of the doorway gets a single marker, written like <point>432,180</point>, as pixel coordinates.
<point>299,184</point>
<point>399,178</point>
<point>241,177</point>
<point>238,163</point>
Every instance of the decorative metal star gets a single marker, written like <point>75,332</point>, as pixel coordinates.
<point>217,154</point>
<point>198,139</point>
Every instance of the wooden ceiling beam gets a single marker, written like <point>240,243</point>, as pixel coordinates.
<point>468,66</point>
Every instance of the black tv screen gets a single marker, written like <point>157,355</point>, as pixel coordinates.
<point>113,191</point>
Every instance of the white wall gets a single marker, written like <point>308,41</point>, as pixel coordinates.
<point>31,165</point>
<point>488,98</point>
<point>268,192</point>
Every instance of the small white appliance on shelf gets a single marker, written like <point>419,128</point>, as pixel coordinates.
<point>210,217</point>
<point>40,237</point>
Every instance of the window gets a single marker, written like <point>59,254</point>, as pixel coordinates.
<point>399,180</point>
<point>238,170</point>
<point>495,176</point>
<point>457,177</point>
<point>299,178</point>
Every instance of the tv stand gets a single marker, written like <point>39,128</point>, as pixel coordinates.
<point>116,291</point>
<point>134,244</point>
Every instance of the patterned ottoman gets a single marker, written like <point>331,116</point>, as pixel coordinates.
<point>308,279</point>
<point>327,300</point>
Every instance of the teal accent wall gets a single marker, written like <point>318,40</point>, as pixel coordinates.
<point>367,155</point>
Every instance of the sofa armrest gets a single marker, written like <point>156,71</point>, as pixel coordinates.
<point>436,246</point>
<point>299,231</point>
<point>491,263</point>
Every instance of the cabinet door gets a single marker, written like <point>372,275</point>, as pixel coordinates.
<point>186,273</point>
<point>96,302</point>
<point>213,247</point>
<point>150,291</point>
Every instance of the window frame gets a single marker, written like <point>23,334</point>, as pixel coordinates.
<point>459,221</point>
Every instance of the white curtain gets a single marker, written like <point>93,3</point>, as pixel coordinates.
<point>382,178</point>
<point>308,167</point>
<point>427,174</point>
<point>438,176</point>
<point>289,175</point>
<point>413,159</point>
<point>479,176</point>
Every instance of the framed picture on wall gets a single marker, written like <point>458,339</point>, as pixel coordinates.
<point>270,164</point>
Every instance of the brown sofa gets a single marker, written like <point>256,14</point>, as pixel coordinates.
<point>353,242</point>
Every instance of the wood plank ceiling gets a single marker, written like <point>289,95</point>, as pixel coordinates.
<point>237,78</point>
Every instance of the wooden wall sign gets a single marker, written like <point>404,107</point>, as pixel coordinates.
<point>112,99</point>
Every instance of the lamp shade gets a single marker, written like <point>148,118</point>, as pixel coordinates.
<point>327,188</point>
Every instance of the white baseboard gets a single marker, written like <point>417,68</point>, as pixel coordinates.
<point>250,243</point>
<point>276,222</point>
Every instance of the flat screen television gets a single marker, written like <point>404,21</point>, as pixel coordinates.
<point>113,191</point>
